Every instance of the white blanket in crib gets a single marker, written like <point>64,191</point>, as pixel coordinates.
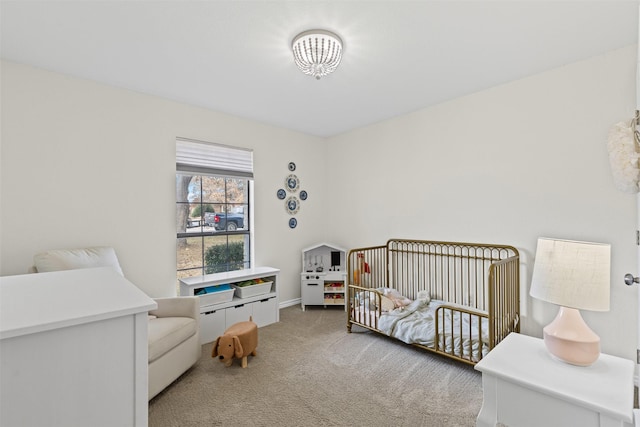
<point>416,324</point>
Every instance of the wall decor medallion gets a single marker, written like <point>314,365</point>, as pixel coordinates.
<point>292,205</point>
<point>292,182</point>
<point>289,196</point>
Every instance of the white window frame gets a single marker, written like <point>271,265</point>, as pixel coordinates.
<point>200,158</point>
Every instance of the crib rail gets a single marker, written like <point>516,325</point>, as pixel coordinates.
<point>366,270</point>
<point>476,280</point>
<point>504,299</point>
<point>455,339</point>
<point>365,307</point>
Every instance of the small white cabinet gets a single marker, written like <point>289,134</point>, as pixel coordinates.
<point>323,276</point>
<point>524,386</point>
<point>216,317</point>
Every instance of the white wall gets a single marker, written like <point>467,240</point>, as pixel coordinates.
<point>505,165</point>
<point>88,164</point>
<point>82,163</point>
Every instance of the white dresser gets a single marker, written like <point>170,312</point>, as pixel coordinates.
<point>73,350</point>
<point>523,386</point>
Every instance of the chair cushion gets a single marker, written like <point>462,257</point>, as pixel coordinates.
<point>71,259</point>
<point>166,333</point>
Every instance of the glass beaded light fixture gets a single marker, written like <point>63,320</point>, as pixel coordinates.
<point>317,52</point>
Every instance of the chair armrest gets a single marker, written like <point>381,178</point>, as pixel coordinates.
<point>177,307</point>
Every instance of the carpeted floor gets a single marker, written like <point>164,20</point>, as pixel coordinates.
<point>310,372</point>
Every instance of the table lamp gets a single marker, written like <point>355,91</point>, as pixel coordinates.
<point>575,276</point>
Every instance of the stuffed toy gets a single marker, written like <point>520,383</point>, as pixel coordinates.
<point>424,296</point>
<point>396,298</point>
<point>390,299</point>
<point>238,341</point>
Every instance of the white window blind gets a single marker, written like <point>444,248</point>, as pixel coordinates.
<point>206,158</point>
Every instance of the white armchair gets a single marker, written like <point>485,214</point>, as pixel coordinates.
<point>174,338</point>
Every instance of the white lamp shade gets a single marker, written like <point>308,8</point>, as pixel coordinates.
<point>572,274</point>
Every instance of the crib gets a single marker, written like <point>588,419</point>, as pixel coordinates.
<point>455,299</point>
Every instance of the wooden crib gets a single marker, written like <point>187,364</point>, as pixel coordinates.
<point>464,297</point>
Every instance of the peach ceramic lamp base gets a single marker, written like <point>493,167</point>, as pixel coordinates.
<point>569,339</point>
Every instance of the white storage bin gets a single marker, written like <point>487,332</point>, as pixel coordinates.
<point>216,297</point>
<point>253,290</point>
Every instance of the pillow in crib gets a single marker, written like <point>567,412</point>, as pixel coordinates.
<point>367,300</point>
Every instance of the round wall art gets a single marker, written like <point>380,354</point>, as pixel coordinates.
<point>292,205</point>
<point>292,182</point>
<point>291,187</point>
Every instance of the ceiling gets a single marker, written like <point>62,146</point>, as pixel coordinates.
<point>235,57</point>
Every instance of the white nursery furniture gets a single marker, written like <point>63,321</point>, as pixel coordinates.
<point>73,350</point>
<point>323,276</point>
<point>173,328</point>
<point>524,386</point>
<point>219,310</point>
<point>174,341</point>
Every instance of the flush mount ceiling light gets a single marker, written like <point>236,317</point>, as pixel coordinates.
<point>317,52</point>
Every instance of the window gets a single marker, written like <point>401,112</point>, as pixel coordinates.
<point>213,208</point>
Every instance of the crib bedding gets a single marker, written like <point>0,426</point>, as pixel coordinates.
<point>460,333</point>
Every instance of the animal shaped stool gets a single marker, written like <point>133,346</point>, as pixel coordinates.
<point>238,341</point>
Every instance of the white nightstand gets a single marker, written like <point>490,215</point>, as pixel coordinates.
<point>523,386</point>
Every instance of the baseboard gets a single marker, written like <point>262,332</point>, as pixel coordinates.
<point>289,303</point>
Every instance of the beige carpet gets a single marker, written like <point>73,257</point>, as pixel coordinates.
<point>310,372</point>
